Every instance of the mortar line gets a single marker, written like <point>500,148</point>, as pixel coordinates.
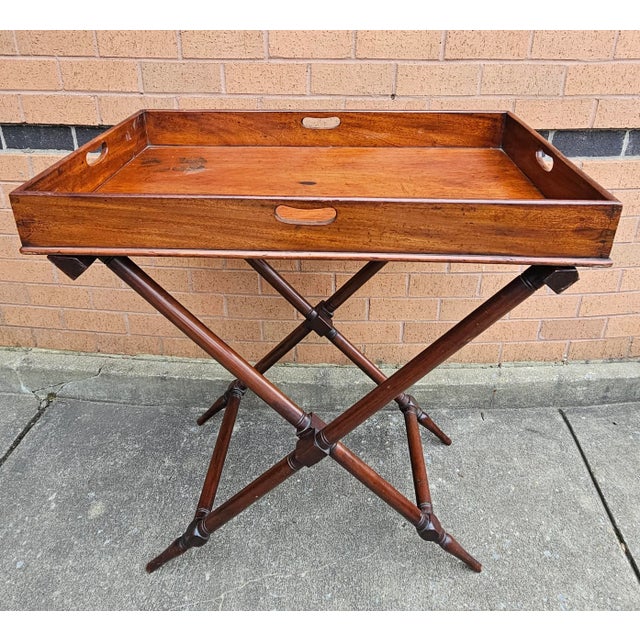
<point>32,423</point>
<point>621,541</point>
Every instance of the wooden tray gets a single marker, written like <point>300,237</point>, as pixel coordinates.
<point>357,185</point>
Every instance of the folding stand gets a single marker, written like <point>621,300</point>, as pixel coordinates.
<point>317,439</point>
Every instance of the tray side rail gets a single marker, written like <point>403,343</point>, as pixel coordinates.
<point>86,168</point>
<point>348,129</point>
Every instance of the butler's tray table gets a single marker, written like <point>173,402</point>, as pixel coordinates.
<point>368,186</point>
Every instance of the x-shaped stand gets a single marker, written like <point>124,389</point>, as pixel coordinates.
<point>317,439</point>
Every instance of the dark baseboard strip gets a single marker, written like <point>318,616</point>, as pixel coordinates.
<point>576,143</point>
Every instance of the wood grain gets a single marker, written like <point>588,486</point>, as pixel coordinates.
<point>367,129</point>
<point>324,172</point>
<point>403,186</point>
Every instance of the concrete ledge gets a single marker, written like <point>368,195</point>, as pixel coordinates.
<point>193,382</point>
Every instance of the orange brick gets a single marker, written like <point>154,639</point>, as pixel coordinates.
<point>99,75</point>
<point>424,333</point>
<point>253,351</point>
<point>628,45</point>
<point>371,332</point>
<point>411,309</point>
<point>234,329</point>
<point>116,300</point>
<point>9,245</point>
<point>31,316</point>
<point>391,354</point>
<point>263,77</point>
<point>573,45</point>
<point>13,293</point>
<point>128,345</point>
<point>56,43</point>
<point>216,102</point>
<point>353,309</point>
<point>534,351</point>
<point>309,284</point>
<point>472,103</point>
<point>627,229</point>
<point>575,329</point>
<point>356,78</point>
<point>391,103</point>
<point>620,326</point>
<point>603,78</point>
<point>478,353</point>
<point>276,330</point>
<point>630,280</point>
<point>388,285</point>
<point>597,281</point>
<point>16,336</point>
<point>492,282</point>
<point>556,113</point>
<point>233,282</point>
<point>416,267</point>
<point>630,199</point>
<point>599,349</point>
<point>320,354</point>
<point>435,285</point>
<point>137,44</point>
<point>618,112</point>
<point>65,340</point>
<point>146,324</point>
<point>259,307</point>
<point>173,280</point>
<point>349,266</point>
<point>87,320</point>
<point>438,79</point>
<point>41,161</point>
<point>523,79</point>
<point>10,109</point>
<point>114,109</point>
<point>510,331</point>
<point>181,348</point>
<point>456,309</point>
<point>399,45</point>
<point>52,295</point>
<point>201,304</point>
<point>487,45</point>
<point>17,74</point>
<point>14,166</point>
<point>51,108</point>
<point>170,77</point>
<point>97,276</point>
<point>222,44</point>
<point>626,255</point>
<point>7,44</point>
<point>302,104</point>
<point>615,173</point>
<point>310,44</point>
<point>610,304</point>
<point>7,221</point>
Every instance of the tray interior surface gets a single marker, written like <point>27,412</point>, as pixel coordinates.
<point>323,172</point>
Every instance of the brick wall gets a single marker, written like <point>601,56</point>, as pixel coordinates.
<point>581,88</point>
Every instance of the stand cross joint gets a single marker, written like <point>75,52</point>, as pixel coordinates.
<point>311,446</point>
<point>319,319</point>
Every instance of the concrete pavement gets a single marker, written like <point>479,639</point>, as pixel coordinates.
<point>102,463</point>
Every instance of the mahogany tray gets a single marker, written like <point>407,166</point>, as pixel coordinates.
<point>481,187</point>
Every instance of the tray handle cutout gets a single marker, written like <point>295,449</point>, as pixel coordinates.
<point>96,154</point>
<point>330,122</point>
<point>310,217</point>
<point>544,160</point>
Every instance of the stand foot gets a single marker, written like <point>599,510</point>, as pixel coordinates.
<point>430,529</point>
<point>194,536</point>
